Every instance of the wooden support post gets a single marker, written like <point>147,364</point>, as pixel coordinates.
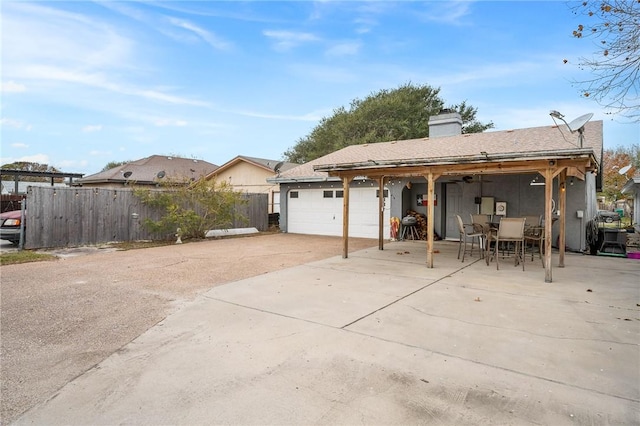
<point>562,206</point>
<point>430,214</point>
<point>548,223</point>
<point>345,217</point>
<point>381,213</point>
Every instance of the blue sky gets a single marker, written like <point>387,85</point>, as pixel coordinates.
<point>86,83</point>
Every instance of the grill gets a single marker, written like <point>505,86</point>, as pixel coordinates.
<point>409,221</point>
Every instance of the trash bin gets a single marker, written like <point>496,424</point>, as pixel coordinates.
<point>620,212</point>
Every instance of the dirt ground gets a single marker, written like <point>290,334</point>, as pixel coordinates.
<point>60,318</point>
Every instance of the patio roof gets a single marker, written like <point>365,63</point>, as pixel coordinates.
<point>552,151</point>
<point>511,151</point>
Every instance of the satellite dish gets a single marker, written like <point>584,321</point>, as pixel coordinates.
<point>578,123</point>
<point>160,174</point>
<point>625,169</point>
<point>127,174</point>
<point>277,167</point>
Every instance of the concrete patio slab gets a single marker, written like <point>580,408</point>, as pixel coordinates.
<point>380,339</point>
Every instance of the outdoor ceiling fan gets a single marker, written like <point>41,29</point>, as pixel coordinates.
<point>470,179</point>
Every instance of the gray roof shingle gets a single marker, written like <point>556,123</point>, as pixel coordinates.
<point>146,170</point>
<point>518,142</point>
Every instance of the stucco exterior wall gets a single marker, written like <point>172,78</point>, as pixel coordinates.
<point>246,177</point>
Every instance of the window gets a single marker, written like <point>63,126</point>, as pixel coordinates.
<point>328,194</point>
<point>340,194</point>
<point>386,193</point>
<point>293,194</point>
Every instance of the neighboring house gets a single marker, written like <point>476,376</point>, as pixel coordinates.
<point>471,173</point>
<point>149,171</point>
<point>250,174</point>
<point>632,189</point>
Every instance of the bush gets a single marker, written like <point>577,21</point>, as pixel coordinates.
<point>190,210</point>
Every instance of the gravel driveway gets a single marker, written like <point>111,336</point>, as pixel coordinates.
<point>60,318</point>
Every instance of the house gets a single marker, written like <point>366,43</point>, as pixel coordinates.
<point>149,171</point>
<point>549,171</point>
<point>250,174</point>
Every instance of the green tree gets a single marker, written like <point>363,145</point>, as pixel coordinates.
<point>28,166</point>
<point>613,161</point>
<point>402,113</point>
<point>111,164</point>
<point>614,25</point>
<point>194,209</point>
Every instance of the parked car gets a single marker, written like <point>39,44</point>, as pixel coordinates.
<point>10,226</point>
<point>608,216</point>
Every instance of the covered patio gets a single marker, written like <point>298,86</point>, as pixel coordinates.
<point>543,150</point>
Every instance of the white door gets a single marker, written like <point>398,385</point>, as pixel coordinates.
<point>453,206</point>
<point>319,212</point>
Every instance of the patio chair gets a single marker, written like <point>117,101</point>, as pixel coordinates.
<point>481,219</point>
<point>466,232</point>
<point>532,220</point>
<point>534,238</point>
<point>482,223</point>
<point>511,230</point>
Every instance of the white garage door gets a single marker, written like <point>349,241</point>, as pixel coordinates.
<point>319,212</point>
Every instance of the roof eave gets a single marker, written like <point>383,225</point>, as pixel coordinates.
<point>443,161</point>
<point>303,179</point>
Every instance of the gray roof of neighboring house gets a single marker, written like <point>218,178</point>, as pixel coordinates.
<point>148,170</point>
<point>512,144</point>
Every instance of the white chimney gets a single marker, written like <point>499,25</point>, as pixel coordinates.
<point>447,123</point>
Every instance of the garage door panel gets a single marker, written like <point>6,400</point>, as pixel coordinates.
<point>312,213</point>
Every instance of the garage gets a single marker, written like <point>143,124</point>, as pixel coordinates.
<point>318,211</point>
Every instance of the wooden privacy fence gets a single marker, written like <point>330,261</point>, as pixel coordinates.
<point>68,217</point>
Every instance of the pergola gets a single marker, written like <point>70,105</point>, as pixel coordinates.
<point>31,173</point>
<point>551,164</point>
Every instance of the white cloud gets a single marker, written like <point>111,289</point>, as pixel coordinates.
<point>165,122</point>
<point>213,40</point>
<point>39,34</point>
<point>344,49</point>
<point>100,81</point>
<point>10,122</point>
<point>67,165</point>
<point>450,12</point>
<point>19,145</point>
<point>364,25</point>
<point>312,116</point>
<point>99,153</point>
<point>61,52</point>
<point>92,128</point>
<point>37,158</point>
<point>286,40</point>
<point>12,87</point>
